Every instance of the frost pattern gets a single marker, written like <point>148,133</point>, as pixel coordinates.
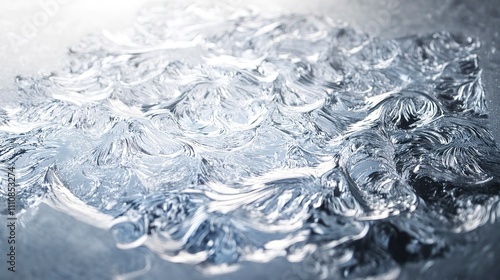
<point>222,136</point>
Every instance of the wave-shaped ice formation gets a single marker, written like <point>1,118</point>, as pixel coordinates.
<point>220,137</point>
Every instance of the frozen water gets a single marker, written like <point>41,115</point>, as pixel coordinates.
<point>215,139</point>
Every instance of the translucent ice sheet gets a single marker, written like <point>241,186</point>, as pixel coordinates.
<point>215,139</point>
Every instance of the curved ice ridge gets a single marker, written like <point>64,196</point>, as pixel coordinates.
<point>221,136</point>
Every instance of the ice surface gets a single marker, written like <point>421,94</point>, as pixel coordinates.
<point>215,140</point>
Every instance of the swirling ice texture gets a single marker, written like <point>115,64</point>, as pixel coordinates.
<point>219,136</point>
